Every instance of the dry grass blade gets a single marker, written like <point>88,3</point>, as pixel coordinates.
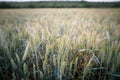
<point>99,68</point>
<point>76,55</point>
<point>114,74</point>
<point>26,51</point>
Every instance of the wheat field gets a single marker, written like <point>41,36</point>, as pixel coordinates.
<point>60,44</point>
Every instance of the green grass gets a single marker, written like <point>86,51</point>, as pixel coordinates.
<point>60,44</point>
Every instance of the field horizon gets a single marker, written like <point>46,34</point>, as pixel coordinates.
<point>59,4</point>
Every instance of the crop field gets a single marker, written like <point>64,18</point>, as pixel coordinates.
<point>60,44</point>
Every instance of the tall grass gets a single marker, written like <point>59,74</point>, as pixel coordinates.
<point>60,45</point>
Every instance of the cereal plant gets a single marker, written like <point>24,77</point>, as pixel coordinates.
<point>60,44</point>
